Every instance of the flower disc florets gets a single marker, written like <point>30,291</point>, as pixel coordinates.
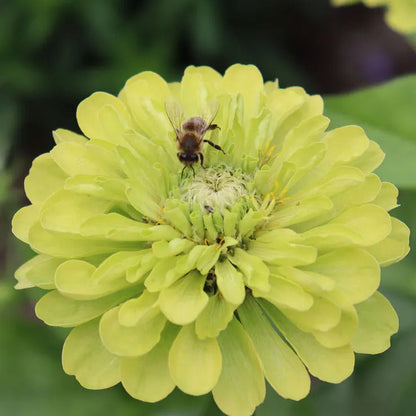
<point>181,278</point>
<point>218,186</point>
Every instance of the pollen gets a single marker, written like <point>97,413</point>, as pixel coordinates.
<point>266,154</point>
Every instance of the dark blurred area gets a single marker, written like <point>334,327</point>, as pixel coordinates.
<point>54,53</point>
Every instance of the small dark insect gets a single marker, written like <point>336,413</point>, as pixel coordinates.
<point>209,209</point>
<point>210,287</point>
<point>190,132</point>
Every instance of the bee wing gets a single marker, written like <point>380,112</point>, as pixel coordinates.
<point>213,107</point>
<point>175,113</point>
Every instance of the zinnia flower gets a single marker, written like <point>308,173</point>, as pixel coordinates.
<point>263,264</point>
<point>400,14</point>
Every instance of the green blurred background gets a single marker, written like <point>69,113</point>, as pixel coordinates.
<point>54,53</point>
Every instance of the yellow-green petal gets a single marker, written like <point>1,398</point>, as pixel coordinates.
<point>283,292</point>
<point>356,272</point>
<point>377,322</point>
<point>230,282</point>
<point>38,271</point>
<point>147,377</point>
<point>345,144</point>
<point>253,268</point>
<point>323,315</point>
<point>184,300</point>
<point>130,341</point>
<point>65,211</point>
<point>114,268</point>
<point>74,279</point>
<point>401,16</point>
<point>296,212</point>
<point>364,225</point>
<point>92,158</point>
<point>328,364</point>
<point>140,309</point>
<point>394,247</point>
<point>164,248</point>
<point>307,132</point>
<point>145,94</point>
<point>57,310</point>
<point>370,221</point>
<point>162,275</point>
<point>214,318</point>
<point>88,114</point>
<point>194,364</point>
<point>247,81</point>
<point>68,245</point>
<point>282,367</point>
<point>85,357</point>
<point>341,334</point>
<point>63,135</point>
<point>45,177</point>
<point>387,197</point>
<point>312,282</point>
<point>24,220</point>
<point>370,159</point>
<point>283,253</point>
<point>241,387</point>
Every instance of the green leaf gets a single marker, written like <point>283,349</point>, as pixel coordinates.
<point>386,112</point>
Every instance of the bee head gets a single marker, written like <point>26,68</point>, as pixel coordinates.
<point>188,158</point>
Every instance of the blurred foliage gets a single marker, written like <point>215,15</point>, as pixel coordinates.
<point>53,53</point>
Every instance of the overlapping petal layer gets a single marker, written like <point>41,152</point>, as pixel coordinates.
<point>265,264</point>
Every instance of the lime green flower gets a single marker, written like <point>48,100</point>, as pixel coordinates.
<point>400,15</point>
<point>263,264</point>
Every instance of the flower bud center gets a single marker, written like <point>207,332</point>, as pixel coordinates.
<point>216,187</point>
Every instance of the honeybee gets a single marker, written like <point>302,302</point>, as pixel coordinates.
<point>190,132</point>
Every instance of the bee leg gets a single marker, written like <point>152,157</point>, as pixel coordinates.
<point>213,127</point>
<point>193,170</point>
<point>183,170</point>
<point>201,157</point>
<point>214,145</point>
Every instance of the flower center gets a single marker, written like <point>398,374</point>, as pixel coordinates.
<point>216,187</point>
